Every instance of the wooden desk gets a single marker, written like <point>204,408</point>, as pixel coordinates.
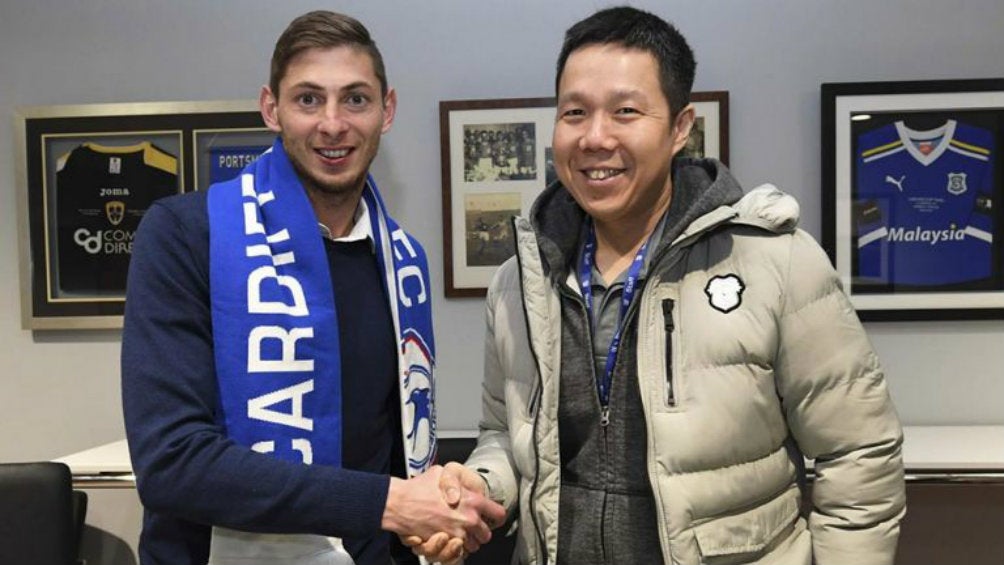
<point>104,466</point>
<point>955,493</point>
<point>945,451</point>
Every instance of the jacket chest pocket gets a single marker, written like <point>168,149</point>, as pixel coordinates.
<point>659,351</point>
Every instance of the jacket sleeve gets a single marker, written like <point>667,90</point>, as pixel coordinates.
<point>839,411</point>
<point>492,458</point>
<point>185,465</point>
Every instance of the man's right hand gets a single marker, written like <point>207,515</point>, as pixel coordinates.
<point>448,503</point>
<point>455,483</point>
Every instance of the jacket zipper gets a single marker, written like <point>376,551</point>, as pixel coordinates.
<point>667,320</point>
<point>535,414</point>
<point>563,290</point>
<point>534,400</point>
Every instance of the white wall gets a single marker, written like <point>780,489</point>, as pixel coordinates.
<point>59,391</point>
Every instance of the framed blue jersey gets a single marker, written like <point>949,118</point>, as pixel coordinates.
<point>923,206</point>
<point>226,162</point>
<point>912,181</point>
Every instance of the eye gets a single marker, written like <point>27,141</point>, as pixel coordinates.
<point>357,100</point>
<point>572,113</point>
<point>308,99</point>
<point>626,110</point>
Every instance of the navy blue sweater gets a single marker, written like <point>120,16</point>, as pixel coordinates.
<point>189,474</point>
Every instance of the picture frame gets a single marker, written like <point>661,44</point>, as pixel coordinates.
<point>496,160</point>
<point>710,134</point>
<point>912,181</point>
<point>85,176</point>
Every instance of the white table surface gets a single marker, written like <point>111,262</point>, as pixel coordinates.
<point>925,448</point>
<point>111,458</point>
<point>932,448</point>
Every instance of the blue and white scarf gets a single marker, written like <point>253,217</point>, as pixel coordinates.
<point>275,328</point>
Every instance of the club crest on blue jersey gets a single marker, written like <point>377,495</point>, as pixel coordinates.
<point>418,417</point>
<point>957,183</point>
<point>725,292</point>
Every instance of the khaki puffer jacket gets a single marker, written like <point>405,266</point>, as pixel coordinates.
<point>749,356</point>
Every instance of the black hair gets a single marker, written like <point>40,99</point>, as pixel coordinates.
<point>636,29</point>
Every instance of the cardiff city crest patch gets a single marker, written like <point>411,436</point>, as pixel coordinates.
<point>725,292</point>
<point>419,419</point>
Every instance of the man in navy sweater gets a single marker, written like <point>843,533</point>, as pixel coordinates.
<point>228,473</point>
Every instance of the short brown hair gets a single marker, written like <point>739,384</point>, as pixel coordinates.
<point>323,29</point>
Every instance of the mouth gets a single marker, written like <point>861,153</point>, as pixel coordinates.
<point>602,174</point>
<point>333,154</point>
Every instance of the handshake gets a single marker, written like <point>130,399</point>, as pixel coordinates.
<point>442,514</point>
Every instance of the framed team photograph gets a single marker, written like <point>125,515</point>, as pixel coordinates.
<point>710,135</point>
<point>496,160</point>
<point>912,184</point>
<point>87,174</point>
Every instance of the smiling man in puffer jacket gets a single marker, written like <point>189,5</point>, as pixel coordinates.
<point>664,350</point>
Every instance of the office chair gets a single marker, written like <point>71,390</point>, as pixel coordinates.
<point>37,524</point>
<point>79,517</point>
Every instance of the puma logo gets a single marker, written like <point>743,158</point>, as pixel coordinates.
<point>898,183</point>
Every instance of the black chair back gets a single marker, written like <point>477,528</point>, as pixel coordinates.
<point>36,514</point>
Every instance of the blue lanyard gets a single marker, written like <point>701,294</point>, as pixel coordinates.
<point>630,285</point>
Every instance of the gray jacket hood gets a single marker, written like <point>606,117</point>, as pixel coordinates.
<point>705,194</point>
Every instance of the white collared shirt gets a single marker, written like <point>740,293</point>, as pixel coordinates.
<point>361,228</point>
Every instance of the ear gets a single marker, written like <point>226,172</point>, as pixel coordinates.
<point>269,105</point>
<point>682,124</point>
<point>389,109</point>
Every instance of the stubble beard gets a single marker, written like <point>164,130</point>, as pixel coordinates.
<point>315,185</point>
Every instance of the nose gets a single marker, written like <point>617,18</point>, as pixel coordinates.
<point>598,135</point>
<point>332,122</point>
